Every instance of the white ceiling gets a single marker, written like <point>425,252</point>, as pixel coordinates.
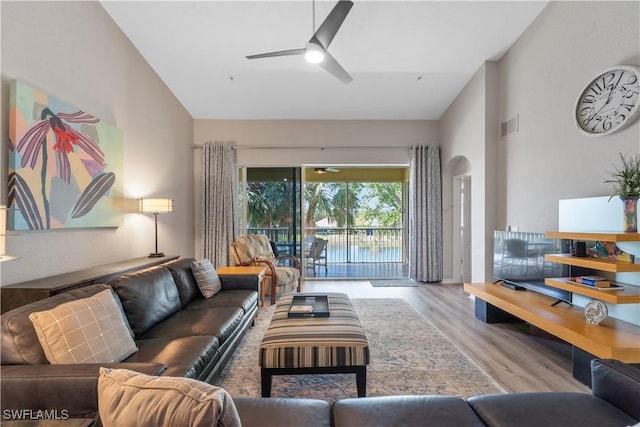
<point>409,59</point>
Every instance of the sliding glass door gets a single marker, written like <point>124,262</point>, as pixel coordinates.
<point>270,198</point>
<point>359,212</point>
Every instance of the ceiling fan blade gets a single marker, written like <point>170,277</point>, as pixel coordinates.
<point>330,26</point>
<point>331,65</point>
<point>289,52</point>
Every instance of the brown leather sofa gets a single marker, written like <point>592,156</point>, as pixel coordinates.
<point>177,332</point>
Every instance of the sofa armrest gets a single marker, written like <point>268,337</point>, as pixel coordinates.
<point>67,389</point>
<point>235,282</point>
<point>617,383</point>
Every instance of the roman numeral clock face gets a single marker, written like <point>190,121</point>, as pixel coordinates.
<point>610,102</point>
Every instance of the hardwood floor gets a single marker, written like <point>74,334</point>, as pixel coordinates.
<point>519,357</point>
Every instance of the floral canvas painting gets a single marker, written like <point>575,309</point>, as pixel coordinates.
<point>65,165</point>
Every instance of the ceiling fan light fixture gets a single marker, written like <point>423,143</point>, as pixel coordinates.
<point>314,56</point>
<point>320,171</point>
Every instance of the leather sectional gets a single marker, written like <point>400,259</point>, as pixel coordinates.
<point>614,402</point>
<point>177,332</point>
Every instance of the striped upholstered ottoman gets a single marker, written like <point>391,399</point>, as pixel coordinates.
<point>315,345</point>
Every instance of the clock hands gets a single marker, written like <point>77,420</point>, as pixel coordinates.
<point>609,95</point>
<point>610,102</point>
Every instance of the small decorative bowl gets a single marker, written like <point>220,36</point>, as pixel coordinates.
<point>595,312</point>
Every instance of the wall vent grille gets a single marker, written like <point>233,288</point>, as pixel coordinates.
<point>510,126</point>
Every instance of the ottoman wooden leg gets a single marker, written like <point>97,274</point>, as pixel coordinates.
<point>265,382</point>
<point>361,381</point>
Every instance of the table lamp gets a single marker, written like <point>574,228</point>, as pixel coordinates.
<point>155,207</point>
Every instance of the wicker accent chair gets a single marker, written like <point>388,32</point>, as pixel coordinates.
<point>255,249</point>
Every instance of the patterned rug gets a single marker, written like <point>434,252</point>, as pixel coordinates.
<point>409,355</point>
<point>386,283</point>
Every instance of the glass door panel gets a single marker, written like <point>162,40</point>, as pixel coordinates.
<point>360,211</point>
<point>271,199</point>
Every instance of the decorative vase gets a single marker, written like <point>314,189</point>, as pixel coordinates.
<point>630,214</point>
<point>595,311</point>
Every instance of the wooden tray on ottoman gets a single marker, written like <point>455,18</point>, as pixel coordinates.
<point>309,306</point>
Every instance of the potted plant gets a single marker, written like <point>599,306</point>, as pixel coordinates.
<point>626,185</point>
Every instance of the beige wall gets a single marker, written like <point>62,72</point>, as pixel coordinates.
<point>523,177</point>
<point>464,132</point>
<point>74,52</point>
<point>316,142</point>
<point>344,141</point>
<point>541,77</point>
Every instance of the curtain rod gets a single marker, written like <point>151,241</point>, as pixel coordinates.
<point>282,147</point>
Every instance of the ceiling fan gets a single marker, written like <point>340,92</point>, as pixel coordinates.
<point>315,51</point>
<point>320,171</point>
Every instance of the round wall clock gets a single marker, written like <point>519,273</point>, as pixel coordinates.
<point>610,101</point>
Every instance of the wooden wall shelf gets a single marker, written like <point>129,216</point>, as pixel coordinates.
<point>594,236</point>
<point>20,294</point>
<point>612,338</point>
<point>628,295</point>
<point>602,264</point>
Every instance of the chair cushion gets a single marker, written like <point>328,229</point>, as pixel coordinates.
<point>425,411</point>
<point>148,297</point>
<point>245,299</point>
<point>617,383</point>
<point>253,246</point>
<point>244,251</point>
<point>88,330</point>
<point>219,322</point>
<point>190,357</point>
<point>206,278</point>
<point>551,409</point>
<point>287,275</point>
<point>130,398</point>
<point>282,411</point>
<point>183,277</point>
<point>19,343</point>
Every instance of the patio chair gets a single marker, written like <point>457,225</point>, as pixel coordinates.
<point>255,249</point>
<point>317,255</point>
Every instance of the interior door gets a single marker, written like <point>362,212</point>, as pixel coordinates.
<point>462,228</point>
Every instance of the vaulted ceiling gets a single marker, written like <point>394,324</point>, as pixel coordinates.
<point>408,59</point>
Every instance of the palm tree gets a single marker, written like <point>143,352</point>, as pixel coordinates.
<point>337,202</point>
<point>267,203</point>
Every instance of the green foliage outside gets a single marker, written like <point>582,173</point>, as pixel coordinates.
<point>342,204</point>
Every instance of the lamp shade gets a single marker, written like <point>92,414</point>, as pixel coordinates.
<point>156,206</point>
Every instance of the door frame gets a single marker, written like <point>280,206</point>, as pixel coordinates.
<point>461,269</point>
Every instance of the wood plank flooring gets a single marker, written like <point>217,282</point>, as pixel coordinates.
<point>519,357</point>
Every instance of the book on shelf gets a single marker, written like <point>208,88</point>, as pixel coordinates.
<point>612,287</point>
<point>595,281</point>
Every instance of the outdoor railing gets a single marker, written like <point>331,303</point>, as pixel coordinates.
<point>351,245</point>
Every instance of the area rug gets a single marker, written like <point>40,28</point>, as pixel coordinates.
<point>380,283</point>
<point>409,355</point>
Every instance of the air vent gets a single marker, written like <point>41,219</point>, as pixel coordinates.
<point>509,126</point>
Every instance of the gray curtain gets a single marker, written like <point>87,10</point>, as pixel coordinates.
<point>219,201</point>
<point>425,227</point>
